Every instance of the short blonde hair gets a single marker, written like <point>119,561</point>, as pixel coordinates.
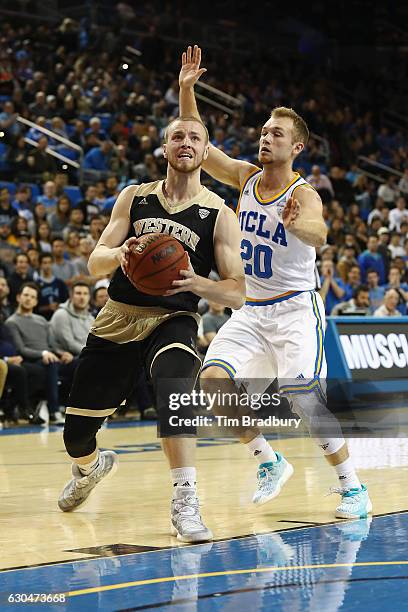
<point>196,119</point>
<point>300,129</point>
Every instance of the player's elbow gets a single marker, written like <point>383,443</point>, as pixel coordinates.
<point>238,299</point>
<point>321,236</point>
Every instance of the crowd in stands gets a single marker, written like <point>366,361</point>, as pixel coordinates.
<point>70,80</point>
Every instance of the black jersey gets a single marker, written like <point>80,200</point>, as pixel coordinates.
<point>192,223</point>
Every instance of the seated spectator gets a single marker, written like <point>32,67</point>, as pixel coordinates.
<point>346,262</point>
<point>33,341</point>
<point>388,191</point>
<point>17,226</point>
<point>389,307</point>
<point>321,183</point>
<point>53,291</point>
<point>395,246</point>
<point>34,258</point>
<point>99,298</point>
<point>7,212</point>
<point>49,196</point>
<point>332,289</point>
<point>43,237</point>
<point>41,164</point>
<point>95,135</point>
<point>9,123</point>
<point>17,159</point>
<point>98,159</point>
<point>62,268</point>
<point>398,214</point>
<point>8,251</point>
<point>212,322</point>
<point>21,275</point>
<point>76,223</point>
<point>72,321</point>
<point>86,247</point>
<point>353,281</point>
<point>376,292</point>
<point>72,247</point>
<point>394,282</point>
<point>370,258</point>
<point>342,188</point>
<point>96,228</point>
<point>22,203</point>
<point>359,305</point>
<point>403,183</point>
<point>90,205</point>
<point>59,219</point>
<point>6,308</point>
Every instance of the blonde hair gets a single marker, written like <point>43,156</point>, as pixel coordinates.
<point>196,119</point>
<point>300,129</point>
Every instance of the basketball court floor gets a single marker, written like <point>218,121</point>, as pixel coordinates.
<point>116,553</point>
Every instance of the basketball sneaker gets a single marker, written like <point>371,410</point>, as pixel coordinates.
<point>186,520</point>
<point>355,503</point>
<point>77,490</point>
<point>271,478</point>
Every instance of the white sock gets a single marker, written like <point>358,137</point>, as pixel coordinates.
<point>87,468</point>
<point>261,450</point>
<point>346,473</point>
<point>184,477</point>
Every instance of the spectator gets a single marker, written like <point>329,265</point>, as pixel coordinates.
<point>388,191</point>
<point>8,122</point>
<point>33,341</point>
<point>59,219</point>
<point>72,247</point>
<point>212,322</point>
<point>76,223</point>
<point>7,212</point>
<point>62,268</point>
<point>376,292</point>
<point>49,197</point>
<point>398,214</point>
<point>359,304</point>
<point>96,228</point>
<point>20,276</point>
<point>43,237</point>
<point>388,309</point>
<point>332,287</point>
<point>90,205</point>
<point>8,251</point>
<point>52,291</point>
<point>98,158</point>
<point>403,183</point>
<point>6,308</point>
<point>321,183</point>
<point>395,246</point>
<point>370,258</point>
<point>86,247</point>
<point>100,297</point>
<point>353,281</point>
<point>72,321</point>
<point>17,156</point>
<point>346,262</point>
<point>22,203</point>
<point>394,282</point>
<point>343,191</point>
<point>41,164</point>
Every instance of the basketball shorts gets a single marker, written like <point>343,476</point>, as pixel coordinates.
<point>123,341</point>
<point>283,340</point>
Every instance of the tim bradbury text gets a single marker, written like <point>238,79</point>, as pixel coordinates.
<point>223,421</point>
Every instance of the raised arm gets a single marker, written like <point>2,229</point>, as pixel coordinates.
<point>303,217</point>
<point>111,249</point>
<point>219,165</point>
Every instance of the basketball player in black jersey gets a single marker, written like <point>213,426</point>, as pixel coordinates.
<point>135,330</point>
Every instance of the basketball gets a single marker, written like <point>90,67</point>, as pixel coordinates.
<point>155,262</point>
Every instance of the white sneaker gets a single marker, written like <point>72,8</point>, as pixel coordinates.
<point>271,478</point>
<point>186,520</point>
<point>56,419</point>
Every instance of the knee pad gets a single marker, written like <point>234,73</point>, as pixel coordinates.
<point>80,434</point>
<point>321,422</point>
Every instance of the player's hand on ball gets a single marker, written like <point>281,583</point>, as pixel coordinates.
<point>290,213</point>
<point>190,67</point>
<point>123,253</point>
<point>188,283</point>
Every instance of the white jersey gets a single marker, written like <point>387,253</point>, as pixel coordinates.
<point>277,264</point>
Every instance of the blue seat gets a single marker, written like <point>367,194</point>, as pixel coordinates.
<point>74,193</point>
<point>10,186</point>
<point>35,190</point>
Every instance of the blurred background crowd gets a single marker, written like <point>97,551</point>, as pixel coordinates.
<point>85,95</point>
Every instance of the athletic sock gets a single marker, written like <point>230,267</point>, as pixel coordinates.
<point>87,468</point>
<point>347,475</point>
<point>184,477</point>
<point>261,450</point>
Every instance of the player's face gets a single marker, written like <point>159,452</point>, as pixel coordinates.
<point>186,146</point>
<point>276,141</point>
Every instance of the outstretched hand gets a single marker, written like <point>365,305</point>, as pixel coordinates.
<point>290,213</point>
<point>190,67</point>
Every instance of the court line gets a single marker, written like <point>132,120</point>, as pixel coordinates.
<point>164,548</point>
<point>254,570</point>
<point>266,587</point>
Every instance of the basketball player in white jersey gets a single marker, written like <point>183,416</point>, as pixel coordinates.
<point>280,329</point>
